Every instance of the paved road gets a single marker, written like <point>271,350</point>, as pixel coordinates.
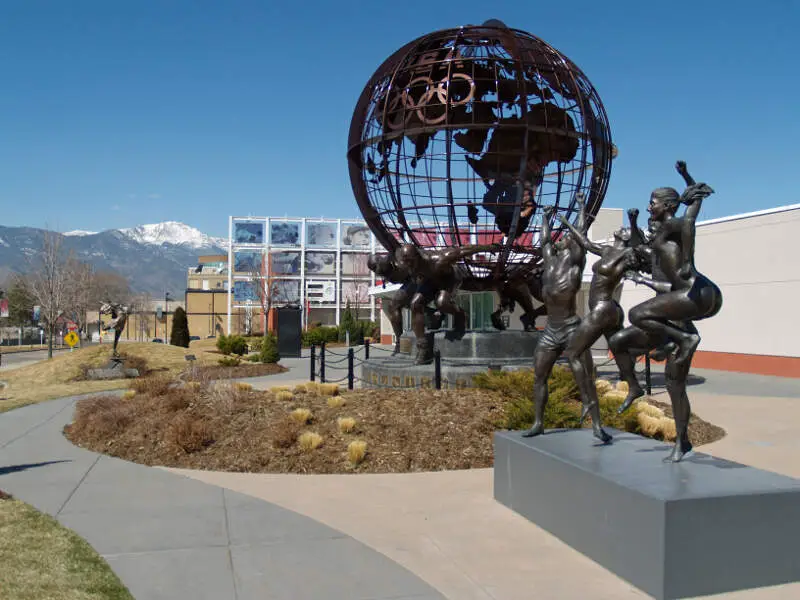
<point>170,537</point>
<point>20,359</point>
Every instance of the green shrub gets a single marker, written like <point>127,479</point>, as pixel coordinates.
<point>563,408</point>
<point>317,335</point>
<point>269,349</point>
<point>232,344</point>
<point>180,329</point>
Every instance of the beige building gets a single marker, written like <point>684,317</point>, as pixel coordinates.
<point>752,258</point>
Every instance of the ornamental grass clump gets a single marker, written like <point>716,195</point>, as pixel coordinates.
<point>301,416</point>
<point>309,441</point>
<point>346,424</point>
<point>356,452</point>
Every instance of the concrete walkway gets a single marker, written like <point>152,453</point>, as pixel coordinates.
<point>447,528</point>
<point>170,538</point>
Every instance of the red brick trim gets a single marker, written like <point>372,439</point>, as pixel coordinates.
<point>757,364</point>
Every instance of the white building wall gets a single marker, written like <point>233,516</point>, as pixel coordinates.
<point>753,259</point>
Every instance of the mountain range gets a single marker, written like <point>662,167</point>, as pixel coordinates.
<point>154,258</point>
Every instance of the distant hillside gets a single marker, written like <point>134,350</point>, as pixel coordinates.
<point>154,258</point>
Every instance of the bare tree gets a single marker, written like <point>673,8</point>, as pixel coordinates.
<point>49,283</point>
<point>266,288</point>
<point>81,290</point>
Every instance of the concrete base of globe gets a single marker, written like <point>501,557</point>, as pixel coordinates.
<point>463,358</point>
<point>674,530</point>
<point>115,369</point>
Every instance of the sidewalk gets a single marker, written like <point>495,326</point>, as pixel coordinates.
<point>171,538</point>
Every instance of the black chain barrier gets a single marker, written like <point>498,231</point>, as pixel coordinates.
<point>353,361</point>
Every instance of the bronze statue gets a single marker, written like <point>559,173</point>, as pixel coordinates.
<point>605,315</point>
<point>683,295</point>
<point>119,317</point>
<point>520,290</point>
<point>564,262</point>
<point>437,279</point>
<point>384,266</point>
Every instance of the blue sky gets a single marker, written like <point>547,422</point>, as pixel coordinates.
<point>114,114</point>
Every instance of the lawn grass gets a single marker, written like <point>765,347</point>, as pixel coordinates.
<point>41,560</point>
<point>57,378</point>
<point>26,348</point>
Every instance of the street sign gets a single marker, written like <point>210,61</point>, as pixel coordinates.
<point>71,339</point>
<point>72,326</point>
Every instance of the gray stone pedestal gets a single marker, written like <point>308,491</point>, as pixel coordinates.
<point>114,369</point>
<point>699,527</point>
<point>462,358</point>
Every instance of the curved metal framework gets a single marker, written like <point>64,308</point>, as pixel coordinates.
<point>463,135</point>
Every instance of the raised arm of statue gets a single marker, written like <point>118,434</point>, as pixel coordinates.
<point>581,238</point>
<point>680,166</point>
<point>547,237</point>
<point>637,235</point>
<point>580,200</point>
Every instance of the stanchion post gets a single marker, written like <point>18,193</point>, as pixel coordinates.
<point>366,349</point>
<point>437,369</point>
<point>322,362</point>
<point>647,380</point>
<point>350,355</point>
<point>313,374</point>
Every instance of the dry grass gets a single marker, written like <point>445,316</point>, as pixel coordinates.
<point>603,386</point>
<point>130,394</point>
<point>328,389</point>
<point>346,424</point>
<point>301,416</point>
<point>284,395</point>
<point>622,386</point>
<point>243,387</point>
<point>309,441</point>
<point>336,401</point>
<point>275,389</point>
<point>356,452</point>
<point>42,560</point>
<point>59,377</point>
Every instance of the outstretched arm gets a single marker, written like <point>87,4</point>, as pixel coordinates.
<point>660,287</point>
<point>581,238</point>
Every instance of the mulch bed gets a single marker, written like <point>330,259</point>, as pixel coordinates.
<point>233,428</point>
<point>243,370</point>
<point>249,431</point>
<point>700,431</point>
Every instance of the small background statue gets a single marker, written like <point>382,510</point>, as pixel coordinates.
<point>119,317</point>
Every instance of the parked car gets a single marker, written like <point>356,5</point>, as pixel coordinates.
<point>158,340</point>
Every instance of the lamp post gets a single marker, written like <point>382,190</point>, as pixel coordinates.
<point>166,317</point>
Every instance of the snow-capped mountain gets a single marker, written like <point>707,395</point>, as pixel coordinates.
<point>173,232</point>
<point>154,258</point>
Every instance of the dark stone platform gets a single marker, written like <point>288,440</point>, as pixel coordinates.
<point>674,530</point>
<point>114,369</point>
<point>476,352</point>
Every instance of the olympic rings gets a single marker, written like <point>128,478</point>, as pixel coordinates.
<point>440,90</point>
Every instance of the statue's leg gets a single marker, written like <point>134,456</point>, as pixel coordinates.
<point>445,304</point>
<point>581,340</point>
<point>655,315</point>
<point>117,334</point>
<point>418,303</point>
<point>676,373</point>
<point>593,408</point>
<point>626,345</point>
<point>395,314</point>
<point>543,360</point>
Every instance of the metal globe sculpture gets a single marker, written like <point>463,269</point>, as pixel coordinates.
<point>463,135</point>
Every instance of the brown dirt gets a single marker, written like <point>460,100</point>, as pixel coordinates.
<point>4,496</point>
<point>243,370</point>
<point>228,428</point>
<point>700,432</point>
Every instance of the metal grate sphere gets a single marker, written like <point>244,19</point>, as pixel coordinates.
<point>463,135</point>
